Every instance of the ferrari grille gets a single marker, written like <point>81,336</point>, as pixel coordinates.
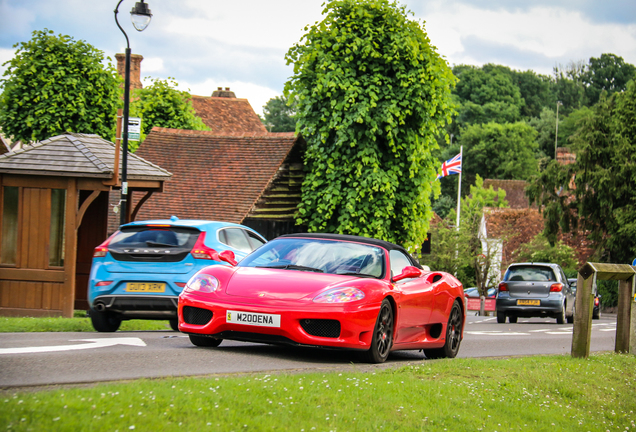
<point>196,316</point>
<point>321,327</point>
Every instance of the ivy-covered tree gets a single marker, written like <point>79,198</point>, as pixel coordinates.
<point>372,95</point>
<point>55,84</point>
<point>279,115</point>
<point>161,104</point>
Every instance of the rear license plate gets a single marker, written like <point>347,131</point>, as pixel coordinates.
<point>528,302</point>
<point>252,318</point>
<point>152,287</point>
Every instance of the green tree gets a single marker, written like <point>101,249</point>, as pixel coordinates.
<point>568,86</point>
<point>539,249</point>
<point>499,151</point>
<point>535,90</point>
<point>487,94</point>
<point>279,115</point>
<point>607,73</point>
<point>372,96</point>
<point>545,125</point>
<point>162,105</point>
<point>55,84</point>
<point>603,201</point>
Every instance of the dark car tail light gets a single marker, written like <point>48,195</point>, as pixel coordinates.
<point>596,301</point>
<point>201,251</point>
<point>503,287</point>
<point>557,287</point>
<point>102,249</point>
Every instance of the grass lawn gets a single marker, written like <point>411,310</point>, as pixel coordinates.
<point>543,393</point>
<point>79,323</point>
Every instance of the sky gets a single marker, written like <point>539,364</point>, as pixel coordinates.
<point>241,44</point>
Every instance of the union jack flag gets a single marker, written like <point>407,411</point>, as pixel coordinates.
<point>451,166</point>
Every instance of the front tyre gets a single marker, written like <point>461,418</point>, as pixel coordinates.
<point>174,324</point>
<point>501,317</point>
<point>105,322</point>
<point>453,336</point>
<point>382,335</point>
<point>203,341</point>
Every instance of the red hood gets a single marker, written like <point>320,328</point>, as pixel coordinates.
<point>280,284</point>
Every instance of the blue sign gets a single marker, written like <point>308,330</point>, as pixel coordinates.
<point>634,262</point>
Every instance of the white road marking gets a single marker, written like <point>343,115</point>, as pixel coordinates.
<point>94,343</point>
<point>558,332</point>
<point>496,333</point>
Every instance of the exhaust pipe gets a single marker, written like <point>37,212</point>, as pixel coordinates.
<point>100,307</point>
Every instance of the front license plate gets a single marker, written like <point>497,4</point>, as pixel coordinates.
<point>152,287</point>
<point>528,302</point>
<point>252,318</point>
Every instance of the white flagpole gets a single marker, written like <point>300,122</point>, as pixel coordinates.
<point>459,185</point>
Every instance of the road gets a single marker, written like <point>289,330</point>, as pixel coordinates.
<point>35,359</point>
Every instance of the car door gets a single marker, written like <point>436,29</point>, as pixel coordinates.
<point>415,301</point>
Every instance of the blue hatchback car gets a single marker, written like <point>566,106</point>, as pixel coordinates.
<point>140,270</point>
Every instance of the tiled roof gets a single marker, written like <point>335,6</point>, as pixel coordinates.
<point>519,226</point>
<point>515,194</point>
<point>215,177</point>
<point>76,155</point>
<point>228,116</point>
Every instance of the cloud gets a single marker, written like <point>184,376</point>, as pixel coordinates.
<point>614,11</point>
<point>555,34</point>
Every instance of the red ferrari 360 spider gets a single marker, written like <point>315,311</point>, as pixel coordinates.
<point>326,290</point>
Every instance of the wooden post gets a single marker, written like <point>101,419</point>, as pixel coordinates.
<point>70,248</point>
<point>582,331</point>
<point>588,274</point>
<point>623,320</point>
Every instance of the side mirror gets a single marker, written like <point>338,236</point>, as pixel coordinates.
<point>408,273</point>
<point>228,257</point>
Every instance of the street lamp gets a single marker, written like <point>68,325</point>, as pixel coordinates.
<point>556,134</point>
<point>140,16</point>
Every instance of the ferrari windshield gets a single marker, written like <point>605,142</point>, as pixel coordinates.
<point>322,256</point>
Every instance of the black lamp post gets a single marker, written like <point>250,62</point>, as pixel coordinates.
<point>140,16</point>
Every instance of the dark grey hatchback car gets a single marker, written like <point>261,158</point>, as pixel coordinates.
<point>535,290</point>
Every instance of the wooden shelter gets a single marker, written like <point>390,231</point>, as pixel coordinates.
<point>53,213</point>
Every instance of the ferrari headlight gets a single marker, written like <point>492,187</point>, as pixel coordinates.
<point>340,295</point>
<point>202,282</point>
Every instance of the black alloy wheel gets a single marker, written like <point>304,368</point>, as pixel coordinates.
<point>571,317</point>
<point>453,336</point>
<point>203,341</point>
<point>104,322</point>
<point>382,335</point>
<point>501,317</point>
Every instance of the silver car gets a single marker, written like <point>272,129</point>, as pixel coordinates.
<point>535,290</point>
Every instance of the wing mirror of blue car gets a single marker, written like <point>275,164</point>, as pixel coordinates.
<point>409,272</point>
<point>228,257</point>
